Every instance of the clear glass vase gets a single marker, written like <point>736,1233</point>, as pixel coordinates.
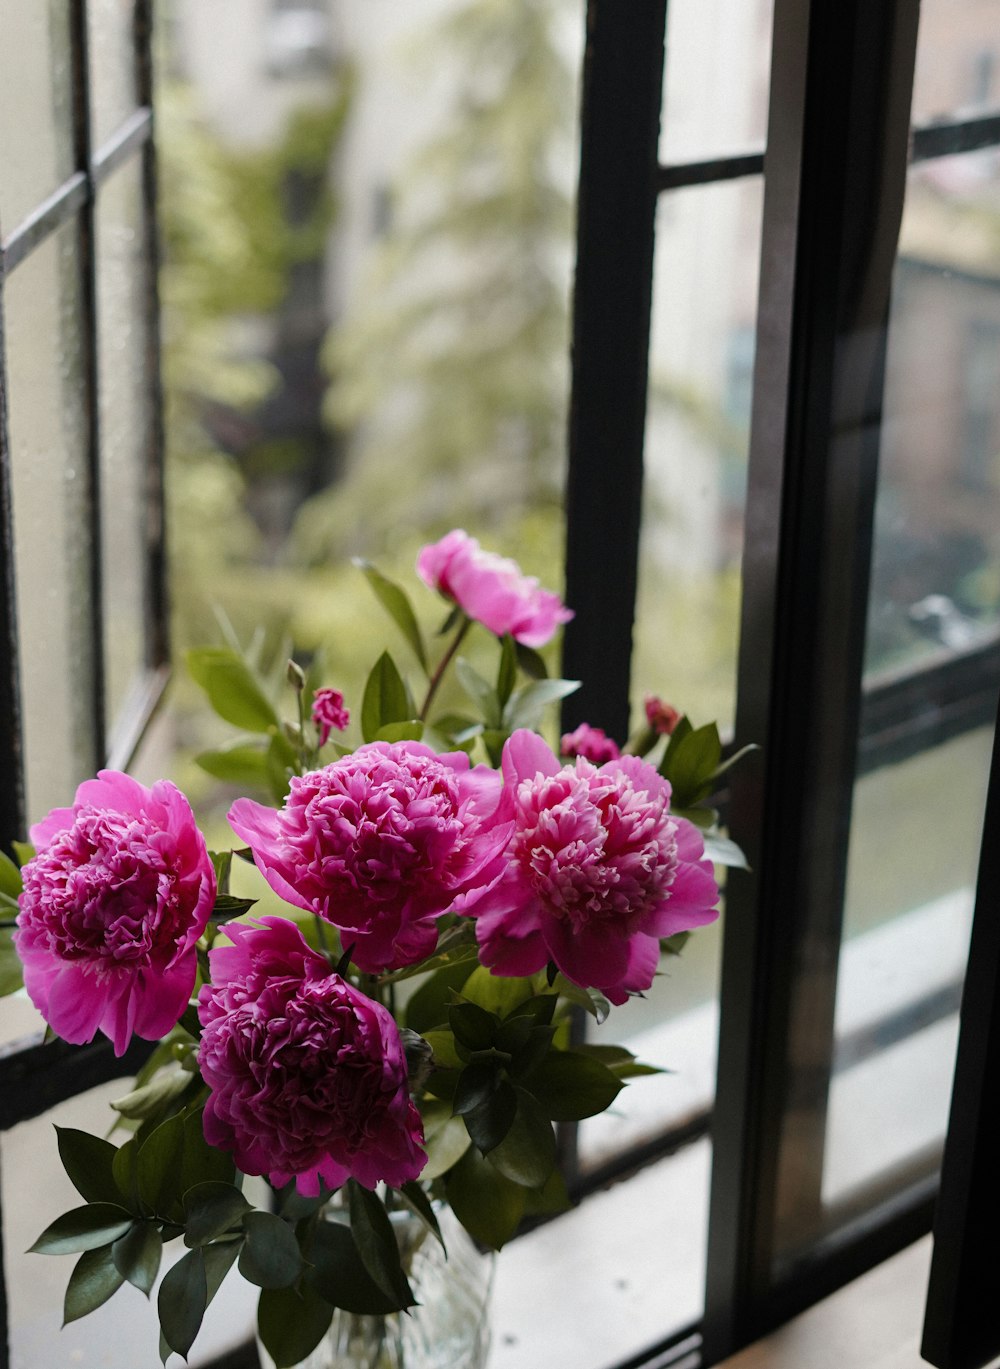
<point>449,1329</point>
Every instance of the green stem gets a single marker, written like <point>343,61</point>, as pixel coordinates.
<point>442,666</point>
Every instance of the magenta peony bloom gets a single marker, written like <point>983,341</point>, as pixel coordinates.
<point>308,1075</point>
<point>113,903</point>
<point>592,743</point>
<point>491,589</point>
<point>598,870</point>
<point>381,843</point>
<point>328,712</point>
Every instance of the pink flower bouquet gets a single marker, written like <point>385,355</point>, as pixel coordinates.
<point>448,847</point>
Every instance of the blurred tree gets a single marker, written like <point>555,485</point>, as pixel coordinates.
<point>450,374</point>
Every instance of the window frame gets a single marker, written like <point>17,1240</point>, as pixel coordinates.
<point>35,1075</point>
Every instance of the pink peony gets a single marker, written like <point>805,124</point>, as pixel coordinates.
<point>592,743</point>
<point>662,717</point>
<point>308,1075</point>
<point>598,870</point>
<point>328,712</point>
<point>113,903</point>
<point>381,843</point>
<point>491,589</point>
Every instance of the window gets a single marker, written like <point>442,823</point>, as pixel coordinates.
<point>785,397</point>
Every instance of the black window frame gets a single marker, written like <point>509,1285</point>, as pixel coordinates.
<point>34,1075</point>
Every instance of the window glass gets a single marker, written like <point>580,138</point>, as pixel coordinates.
<point>48,444</point>
<point>36,105</point>
<point>715,78</point>
<point>111,42</point>
<point>123,356</point>
<point>697,430</point>
<point>958,60</point>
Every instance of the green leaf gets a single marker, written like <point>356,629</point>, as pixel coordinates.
<point>229,905</point>
<point>411,731</point>
<point>11,882</point>
<point>11,972</point>
<point>158,1165</point>
<point>418,1202</point>
<point>385,699</point>
<point>589,999</point>
<point>125,1170</point>
<point>527,705</point>
<point>396,603</point>
<point>335,1272</point>
<point>734,759</point>
<point>200,1162</point>
<point>531,662</point>
<point>211,1210</point>
<point>23,852</point>
<point>292,1322</point>
<point>446,1139</point>
<point>480,691</point>
<point>232,690</point>
<point>527,1153</point>
<point>443,1050</point>
<point>219,1259</point>
<point>722,851</point>
<point>84,1228</point>
<point>182,1300</point>
<point>376,1242</point>
<point>488,1205</point>
<point>690,764</point>
<point>89,1162</point>
<point>507,672</point>
<point>93,1281</point>
<point>244,764</point>
<point>570,1087</point>
<point>499,994</point>
<point>428,1006</point>
<point>618,1060</point>
<point>550,1199</point>
<point>154,1097</point>
<point>270,1257</point>
<point>489,1122</point>
<point>473,1026</point>
<point>674,945</point>
<point>476,1086</point>
<point>281,762</point>
<point>137,1255</point>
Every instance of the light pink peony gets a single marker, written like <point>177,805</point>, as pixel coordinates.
<point>380,844</point>
<point>113,903</point>
<point>598,871</point>
<point>592,743</point>
<point>328,713</point>
<point>308,1075</point>
<point>491,589</point>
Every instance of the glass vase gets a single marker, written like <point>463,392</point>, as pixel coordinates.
<point>450,1327</point>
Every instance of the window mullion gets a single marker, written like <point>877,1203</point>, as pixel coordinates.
<point>622,80</point>
<point>835,176</point>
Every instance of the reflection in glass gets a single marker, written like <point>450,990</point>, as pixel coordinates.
<point>123,355</point>
<point>936,568</point>
<point>718,55</point>
<point>50,491</point>
<point>36,105</point>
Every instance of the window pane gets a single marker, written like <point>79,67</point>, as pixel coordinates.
<point>123,351</point>
<point>701,364</point>
<point>936,570</point>
<point>48,444</point>
<point>715,78</point>
<point>112,65</point>
<point>958,60</point>
<point>36,104</point>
